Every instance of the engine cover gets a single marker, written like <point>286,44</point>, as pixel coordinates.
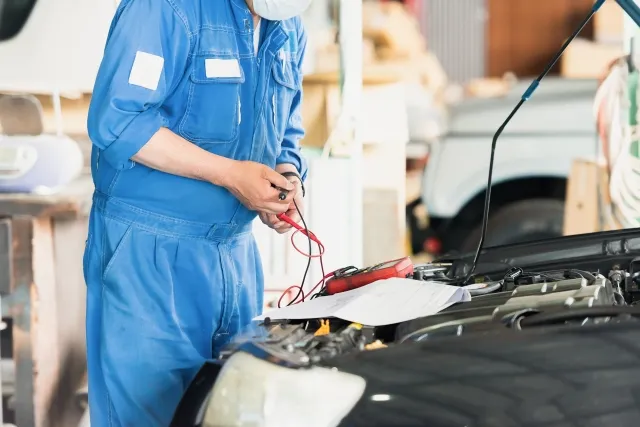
<point>493,310</point>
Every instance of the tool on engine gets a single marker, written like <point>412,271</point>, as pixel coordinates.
<point>435,271</point>
<point>632,282</point>
<point>350,278</point>
<point>354,337</point>
<point>324,328</point>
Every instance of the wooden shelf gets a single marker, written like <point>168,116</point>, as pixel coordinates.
<point>71,202</point>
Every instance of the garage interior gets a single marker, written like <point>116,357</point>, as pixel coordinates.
<point>401,101</point>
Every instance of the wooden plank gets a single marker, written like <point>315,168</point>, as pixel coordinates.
<point>71,202</point>
<point>32,306</point>
<point>581,206</point>
<point>44,318</point>
<point>17,306</point>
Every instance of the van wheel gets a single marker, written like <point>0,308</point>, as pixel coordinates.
<point>524,221</point>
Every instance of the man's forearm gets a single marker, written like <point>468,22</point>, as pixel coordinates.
<point>172,154</point>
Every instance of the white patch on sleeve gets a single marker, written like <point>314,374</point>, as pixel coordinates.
<point>146,70</point>
<point>222,68</point>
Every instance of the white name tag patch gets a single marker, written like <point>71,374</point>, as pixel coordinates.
<point>222,68</point>
<point>146,70</point>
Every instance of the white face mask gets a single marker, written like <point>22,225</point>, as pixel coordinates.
<point>279,10</point>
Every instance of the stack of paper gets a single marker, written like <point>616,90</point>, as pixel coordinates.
<point>384,302</point>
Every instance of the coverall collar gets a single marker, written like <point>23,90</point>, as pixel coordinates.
<point>242,14</point>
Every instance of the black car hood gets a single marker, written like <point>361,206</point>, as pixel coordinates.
<point>556,377</point>
<point>499,377</point>
<point>581,251</point>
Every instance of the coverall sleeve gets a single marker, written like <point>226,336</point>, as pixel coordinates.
<point>145,56</point>
<point>295,132</point>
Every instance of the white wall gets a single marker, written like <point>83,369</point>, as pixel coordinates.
<point>60,47</point>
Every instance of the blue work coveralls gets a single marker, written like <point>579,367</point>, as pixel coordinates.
<point>171,265</point>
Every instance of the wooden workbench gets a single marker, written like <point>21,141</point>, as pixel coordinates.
<point>43,298</point>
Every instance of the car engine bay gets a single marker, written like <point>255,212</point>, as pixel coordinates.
<point>533,307</point>
<point>579,280</point>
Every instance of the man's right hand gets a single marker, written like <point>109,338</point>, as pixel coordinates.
<point>251,183</point>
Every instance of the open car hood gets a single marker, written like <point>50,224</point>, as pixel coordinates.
<point>558,351</point>
<point>581,251</point>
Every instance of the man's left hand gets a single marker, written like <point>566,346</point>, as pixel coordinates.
<point>271,220</point>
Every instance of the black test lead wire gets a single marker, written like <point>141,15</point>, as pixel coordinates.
<point>527,94</point>
<point>306,270</point>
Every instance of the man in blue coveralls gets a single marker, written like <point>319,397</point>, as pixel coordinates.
<point>195,115</point>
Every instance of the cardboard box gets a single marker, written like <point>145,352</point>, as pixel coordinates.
<point>383,117</point>
<point>588,207</point>
<point>327,59</point>
<point>423,69</point>
<point>393,29</point>
<point>314,115</point>
<point>74,115</point>
<point>586,59</point>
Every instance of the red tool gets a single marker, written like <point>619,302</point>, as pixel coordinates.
<point>285,218</point>
<point>350,278</point>
<point>288,220</point>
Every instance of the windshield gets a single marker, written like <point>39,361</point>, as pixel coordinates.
<point>13,16</point>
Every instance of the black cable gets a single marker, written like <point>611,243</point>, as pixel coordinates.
<point>319,293</point>
<point>528,93</point>
<point>582,274</point>
<point>306,270</point>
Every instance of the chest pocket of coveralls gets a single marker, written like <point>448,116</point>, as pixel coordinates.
<point>287,79</point>
<point>213,108</point>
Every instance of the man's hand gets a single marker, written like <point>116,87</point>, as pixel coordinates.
<point>271,220</point>
<point>251,183</point>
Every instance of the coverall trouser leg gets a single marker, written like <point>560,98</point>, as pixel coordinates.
<point>163,296</point>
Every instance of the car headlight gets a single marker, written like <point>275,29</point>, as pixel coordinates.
<point>251,392</point>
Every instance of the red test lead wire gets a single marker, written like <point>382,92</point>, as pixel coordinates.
<point>298,227</point>
<point>300,297</point>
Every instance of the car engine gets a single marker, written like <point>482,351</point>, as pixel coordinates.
<point>516,301</point>
<point>556,291</point>
<point>521,299</point>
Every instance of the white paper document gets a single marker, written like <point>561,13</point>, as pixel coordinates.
<point>384,302</point>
